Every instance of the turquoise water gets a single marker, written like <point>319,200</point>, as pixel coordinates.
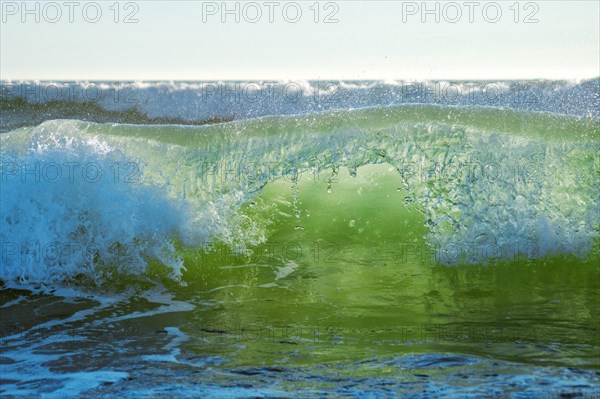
<point>403,251</point>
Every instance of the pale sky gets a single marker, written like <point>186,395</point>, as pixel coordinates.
<point>187,40</point>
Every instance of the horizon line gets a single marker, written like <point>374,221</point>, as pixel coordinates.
<point>291,79</point>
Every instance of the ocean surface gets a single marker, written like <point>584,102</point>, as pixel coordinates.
<point>281,239</point>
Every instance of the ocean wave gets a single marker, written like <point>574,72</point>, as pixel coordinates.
<point>126,196</point>
<point>27,103</point>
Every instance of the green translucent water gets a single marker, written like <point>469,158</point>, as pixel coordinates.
<point>352,276</point>
<point>396,251</point>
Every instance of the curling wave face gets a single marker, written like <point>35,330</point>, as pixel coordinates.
<point>79,197</point>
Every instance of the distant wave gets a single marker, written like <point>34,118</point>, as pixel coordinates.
<point>27,103</point>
